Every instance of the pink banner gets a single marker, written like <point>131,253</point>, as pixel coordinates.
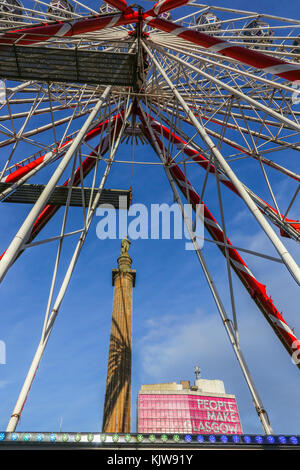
<point>193,414</point>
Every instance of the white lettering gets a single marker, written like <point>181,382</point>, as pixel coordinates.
<point>106,228</point>
<point>187,425</point>
<point>232,429</point>
<point>215,427</point>
<point>140,221</point>
<point>199,403</point>
<point>211,415</point>
<point>165,211</point>
<point>223,428</point>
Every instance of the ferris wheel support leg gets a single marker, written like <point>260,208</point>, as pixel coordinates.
<point>49,321</point>
<point>25,230</point>
<point>263,416</point>
<point>262,413</point>
<point>277,243</point>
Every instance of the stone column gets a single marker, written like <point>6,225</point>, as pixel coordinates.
<point>116,416</point>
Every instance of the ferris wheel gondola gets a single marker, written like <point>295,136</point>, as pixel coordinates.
<point>105,8</point>
<point>61,8</point>
<point>208,22</point>
<point>11,11</point>
<point>296,48</point>
<point>259,33</point>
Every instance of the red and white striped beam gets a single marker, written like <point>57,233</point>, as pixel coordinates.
<point>246,56</point>
<point>60,29</point>
<point>21,171</point>
<point>33,35</point>
<point>207,165</point>
<point>254,288</point>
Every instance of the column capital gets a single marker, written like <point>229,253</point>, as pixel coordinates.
<point>117,272</point>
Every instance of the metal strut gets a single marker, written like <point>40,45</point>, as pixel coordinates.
<point>51,315</point>
<point>288,260</point>
<point>24,232</point>
<point>260,409</point>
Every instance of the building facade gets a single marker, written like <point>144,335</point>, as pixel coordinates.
<point>203,408</point>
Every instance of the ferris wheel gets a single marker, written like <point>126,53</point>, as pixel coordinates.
<point>213,90</point>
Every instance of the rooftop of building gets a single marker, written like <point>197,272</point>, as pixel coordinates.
<point>200,386</point>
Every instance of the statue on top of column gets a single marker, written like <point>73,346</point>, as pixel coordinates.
<point>125,244</point>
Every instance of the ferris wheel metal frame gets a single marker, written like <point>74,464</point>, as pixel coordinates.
<point>179,85</point>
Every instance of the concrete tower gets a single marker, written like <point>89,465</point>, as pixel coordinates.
<point>116,416</point>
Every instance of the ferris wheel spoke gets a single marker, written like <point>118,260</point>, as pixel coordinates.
<point>25,230</point>
<point>275,319</point>
<point>242,130</point>
<point>255,79</point>
<point>290,227</point>
<point>247,28</point>
<point>257,60</point>
<point>174,174</point>
<point>234,125</point>
<point>38,112</point>
<point>244,152</point>
<point>254,58</point>
<point>23,172</point>
<point>228,265</point>
<point>36,14</point>
<point>237,262</point>
<point>254,103</point>
<point>86,7</point>
<point>282,52</point>
<point>39,13</point>
<point>231,331</point>
<point>239,11</point>
<point>14,171</point>
<point>238,146</point>
<point>26,135</point>
<point>20,132</point>
<point>90,162</point>
<point>252,150</point>
<point>279,246</point>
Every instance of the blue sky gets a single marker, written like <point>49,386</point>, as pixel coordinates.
<point>175,322</point>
